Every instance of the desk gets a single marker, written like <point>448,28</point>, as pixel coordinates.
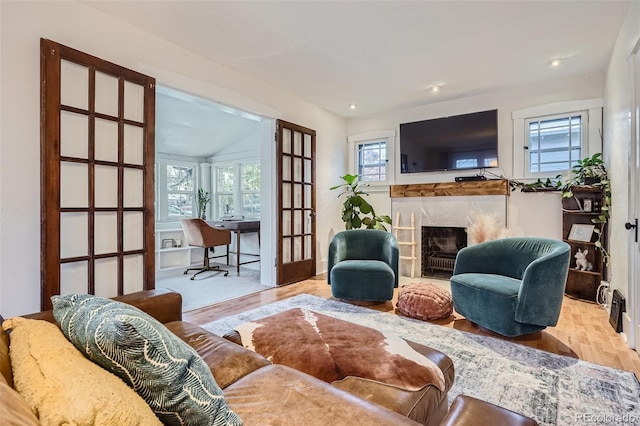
<point>239,227</point>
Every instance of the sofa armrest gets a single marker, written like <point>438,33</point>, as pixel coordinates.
<point>162,304</point>
<point>227,361</point>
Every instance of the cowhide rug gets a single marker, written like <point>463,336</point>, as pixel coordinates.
<point>332,349</point>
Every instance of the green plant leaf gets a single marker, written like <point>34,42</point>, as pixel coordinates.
<point>356,222</point>
<point>384,218</point>
<point>350,179</point>
<point>365,207</point>
<point>357,201</point>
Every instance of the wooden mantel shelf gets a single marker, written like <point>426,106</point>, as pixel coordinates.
<point>443,189</point>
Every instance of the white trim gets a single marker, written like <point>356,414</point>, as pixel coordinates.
<point>557,108</point>
<point>370,135</point>
<point>591,131</point>
<point>389,136</point>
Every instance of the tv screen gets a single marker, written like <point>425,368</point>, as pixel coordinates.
<point>461,142</point>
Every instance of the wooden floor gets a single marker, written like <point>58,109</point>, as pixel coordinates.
<point>583,330</point>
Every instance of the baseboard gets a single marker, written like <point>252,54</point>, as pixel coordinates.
<point>626,326</point>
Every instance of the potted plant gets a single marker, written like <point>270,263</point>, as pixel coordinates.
<point>355,205</point>
<point>591,172</point>
<point>203,200</point>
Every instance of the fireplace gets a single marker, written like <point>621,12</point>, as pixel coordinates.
<point>440,245</point>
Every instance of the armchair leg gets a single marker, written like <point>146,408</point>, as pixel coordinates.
<point>207,267</point>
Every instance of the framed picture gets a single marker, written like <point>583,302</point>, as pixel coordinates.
<point>581,232</point>
<point>587,204</point>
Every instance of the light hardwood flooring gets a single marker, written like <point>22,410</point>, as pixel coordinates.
<point>583,330</point>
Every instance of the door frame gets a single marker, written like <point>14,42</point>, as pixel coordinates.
<point>633,308</point>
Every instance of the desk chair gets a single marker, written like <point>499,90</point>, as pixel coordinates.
<point>199,234</point>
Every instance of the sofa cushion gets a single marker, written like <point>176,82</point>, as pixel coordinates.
<point>63,387</point>
<point>164,370</point>
<point>14,410</point>
<point>279,395</point>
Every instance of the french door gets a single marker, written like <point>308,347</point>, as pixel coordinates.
<point>97,175</point>
<point>296,226</point>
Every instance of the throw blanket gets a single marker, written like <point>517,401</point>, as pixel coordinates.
<point>331,349</point>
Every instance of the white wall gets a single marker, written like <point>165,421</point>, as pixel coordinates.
<point>529,214</point>
<point>617,111</point>
<point>84,28</point>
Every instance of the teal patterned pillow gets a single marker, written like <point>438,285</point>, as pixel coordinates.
<point>166,372</point>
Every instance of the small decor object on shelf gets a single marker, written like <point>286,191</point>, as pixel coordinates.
<point>581,232</point>
<point>587,204</point>
<point>203,200</point>
<point>582,264</point>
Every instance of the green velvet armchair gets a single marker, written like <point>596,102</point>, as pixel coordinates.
<point>512,286</point>
<point>363,265</point>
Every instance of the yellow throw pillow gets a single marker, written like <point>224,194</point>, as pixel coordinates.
<point>62,386</point>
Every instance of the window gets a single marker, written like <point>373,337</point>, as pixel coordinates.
<point>372,156</point>
<point>224,178</point>
<point>176,189</point>
<point>180,191</point>
<point>554,143</point>
<point>550,139</point>
<point>239,197</point>
<point>372,161</point>
<point>250,190</point>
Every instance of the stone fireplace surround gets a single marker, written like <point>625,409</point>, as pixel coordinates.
<point>444,208</point>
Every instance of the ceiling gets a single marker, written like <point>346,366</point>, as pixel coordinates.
<point>385,55</point>
<point>192,126</point>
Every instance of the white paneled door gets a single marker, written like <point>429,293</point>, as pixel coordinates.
<point>97,156</point>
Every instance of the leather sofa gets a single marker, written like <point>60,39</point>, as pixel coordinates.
<point>259,392</point>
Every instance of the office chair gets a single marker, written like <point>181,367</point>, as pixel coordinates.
<point>199,234</point>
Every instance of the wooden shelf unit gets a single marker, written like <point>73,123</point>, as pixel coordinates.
<point>583,284</point>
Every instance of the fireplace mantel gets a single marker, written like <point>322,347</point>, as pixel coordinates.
<point>441,189</point>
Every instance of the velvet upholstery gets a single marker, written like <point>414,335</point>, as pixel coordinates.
<point>512,286</point>
<point>363,265</point>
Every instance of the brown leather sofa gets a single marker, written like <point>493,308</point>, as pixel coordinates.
<point>259,392</point>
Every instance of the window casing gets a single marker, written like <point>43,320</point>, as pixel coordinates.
<point>237,190</point>
<point>176,186</point>
<point>371,155</point>
<point>549,139</point>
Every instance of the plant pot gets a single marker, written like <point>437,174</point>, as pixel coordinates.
<point>591,180</point>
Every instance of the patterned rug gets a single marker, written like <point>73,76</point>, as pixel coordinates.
<point>552,389</point>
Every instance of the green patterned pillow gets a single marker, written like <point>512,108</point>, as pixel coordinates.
<point>166,372</point>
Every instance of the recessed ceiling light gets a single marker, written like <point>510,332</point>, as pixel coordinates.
<point>554,63</point>
<point>353,106</point>
<point>433,87</point>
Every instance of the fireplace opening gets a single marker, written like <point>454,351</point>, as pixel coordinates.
<point>440,245</point>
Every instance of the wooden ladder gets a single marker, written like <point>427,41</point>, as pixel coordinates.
<point>411,243</point>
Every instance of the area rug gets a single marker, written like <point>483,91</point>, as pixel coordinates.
<point>211,287</point>
<point>552,389</point>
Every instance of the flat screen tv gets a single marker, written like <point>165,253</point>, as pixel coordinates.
<point>460,142</point>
